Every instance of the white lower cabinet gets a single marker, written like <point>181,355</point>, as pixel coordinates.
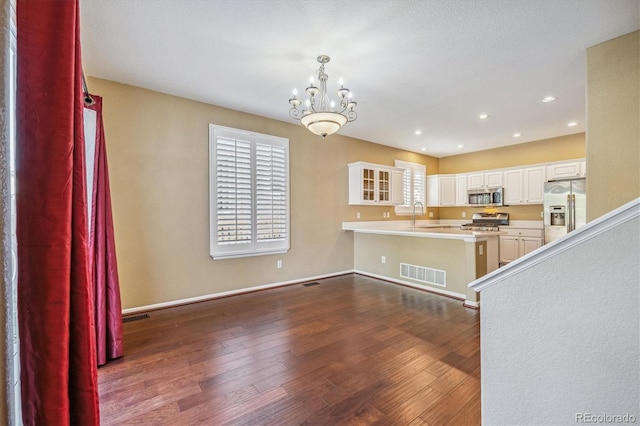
<point>518,242</point>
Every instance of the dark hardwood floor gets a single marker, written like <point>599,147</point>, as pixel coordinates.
<point>348,350</point>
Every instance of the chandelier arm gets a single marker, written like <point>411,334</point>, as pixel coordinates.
<point>295,113</point>
<point>319,113</point>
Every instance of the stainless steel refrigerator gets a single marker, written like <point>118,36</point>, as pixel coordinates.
<point>565,207</point>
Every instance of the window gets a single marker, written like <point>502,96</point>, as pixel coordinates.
<point>249,193</point>
<point>414,184</point>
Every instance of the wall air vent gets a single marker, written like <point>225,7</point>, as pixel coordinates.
<point>135,317</point>
<point>423,274</point>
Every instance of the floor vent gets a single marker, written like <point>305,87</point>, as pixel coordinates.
<point>311,283</point>
<point>135,317</point>
<point>424,274</point>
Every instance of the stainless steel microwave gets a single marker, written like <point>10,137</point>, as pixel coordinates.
<point>485,197</point>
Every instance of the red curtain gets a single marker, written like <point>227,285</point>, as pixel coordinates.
<point>108,309</point>
<point>55,300</point>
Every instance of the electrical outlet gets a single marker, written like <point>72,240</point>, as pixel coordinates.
<point>357,215</point>
<point>542,213</point>
<point>279,264</point>
<point>430,214</point>
<point>480,250</point>
<point>383,259</point>
<point>464,214</point>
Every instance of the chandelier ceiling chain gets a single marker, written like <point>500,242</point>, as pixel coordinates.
<point>319,113</point>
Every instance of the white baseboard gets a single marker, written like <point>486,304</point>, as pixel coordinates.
<point>470,304</point>
<point>213,296</point>
<point>455,295</point>
<point>228,293</point>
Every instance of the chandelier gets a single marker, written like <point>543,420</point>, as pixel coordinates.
<point>320,114</point>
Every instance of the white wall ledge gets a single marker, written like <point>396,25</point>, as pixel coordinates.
<point>622,214</point>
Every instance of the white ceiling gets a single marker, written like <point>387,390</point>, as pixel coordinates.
<point>432,65</point>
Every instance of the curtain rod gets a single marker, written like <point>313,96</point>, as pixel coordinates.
<point>88,100</point>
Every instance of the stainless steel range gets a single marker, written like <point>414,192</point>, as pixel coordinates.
<point>487,222</point>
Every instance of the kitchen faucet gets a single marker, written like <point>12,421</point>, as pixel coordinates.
<point>413,216</point>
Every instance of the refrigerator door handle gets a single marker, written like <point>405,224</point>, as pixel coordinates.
<point>569,213</point>
<point>573,212</point>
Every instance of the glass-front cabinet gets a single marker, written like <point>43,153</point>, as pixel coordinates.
<point>375,184</point>
<point>384,190</point>
<point>368,184</point>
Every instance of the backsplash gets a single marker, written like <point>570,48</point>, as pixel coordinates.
<point>524,212</point>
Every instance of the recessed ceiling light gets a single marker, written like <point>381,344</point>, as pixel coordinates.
<point>572,124</point>
<point>548,99</point>
<point>517,135</point>
<point>423,149</point>
<point>483,116</point>
<point>460,146</point>
<point>418,132</point>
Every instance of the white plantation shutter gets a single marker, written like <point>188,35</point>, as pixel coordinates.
<point>234,191</point>
<point>414,186</point>
<point>420,185</point>
<point>406,187</point>
<point>271,191</point>
<point>249,175</point>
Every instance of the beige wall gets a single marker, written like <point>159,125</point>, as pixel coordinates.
<point>157,149</point>
<point>613,127</point>
<point>457,257</point>
<point>526,212</point>
<point>542,151</point>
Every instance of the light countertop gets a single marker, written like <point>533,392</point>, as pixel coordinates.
<point>424,229</point>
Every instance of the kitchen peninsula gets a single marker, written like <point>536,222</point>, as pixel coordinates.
<point>432,256</point>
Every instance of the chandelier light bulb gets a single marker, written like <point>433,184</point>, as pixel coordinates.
<point>295,92</point>
<point>319,113</point>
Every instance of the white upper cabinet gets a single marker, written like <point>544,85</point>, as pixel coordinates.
<point>462,198</point>
<point>563,170</point>
<point>513,193</point>
<point>475,180</point>
<point>441,190</point>
<point>448,191</point>
<point>493,179</point>
<point>375,184</point>
<point>488,179</point>
<point>583,168</point>
<point>524,186</point>
<point>397,187</point>
<point>534,179</point>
